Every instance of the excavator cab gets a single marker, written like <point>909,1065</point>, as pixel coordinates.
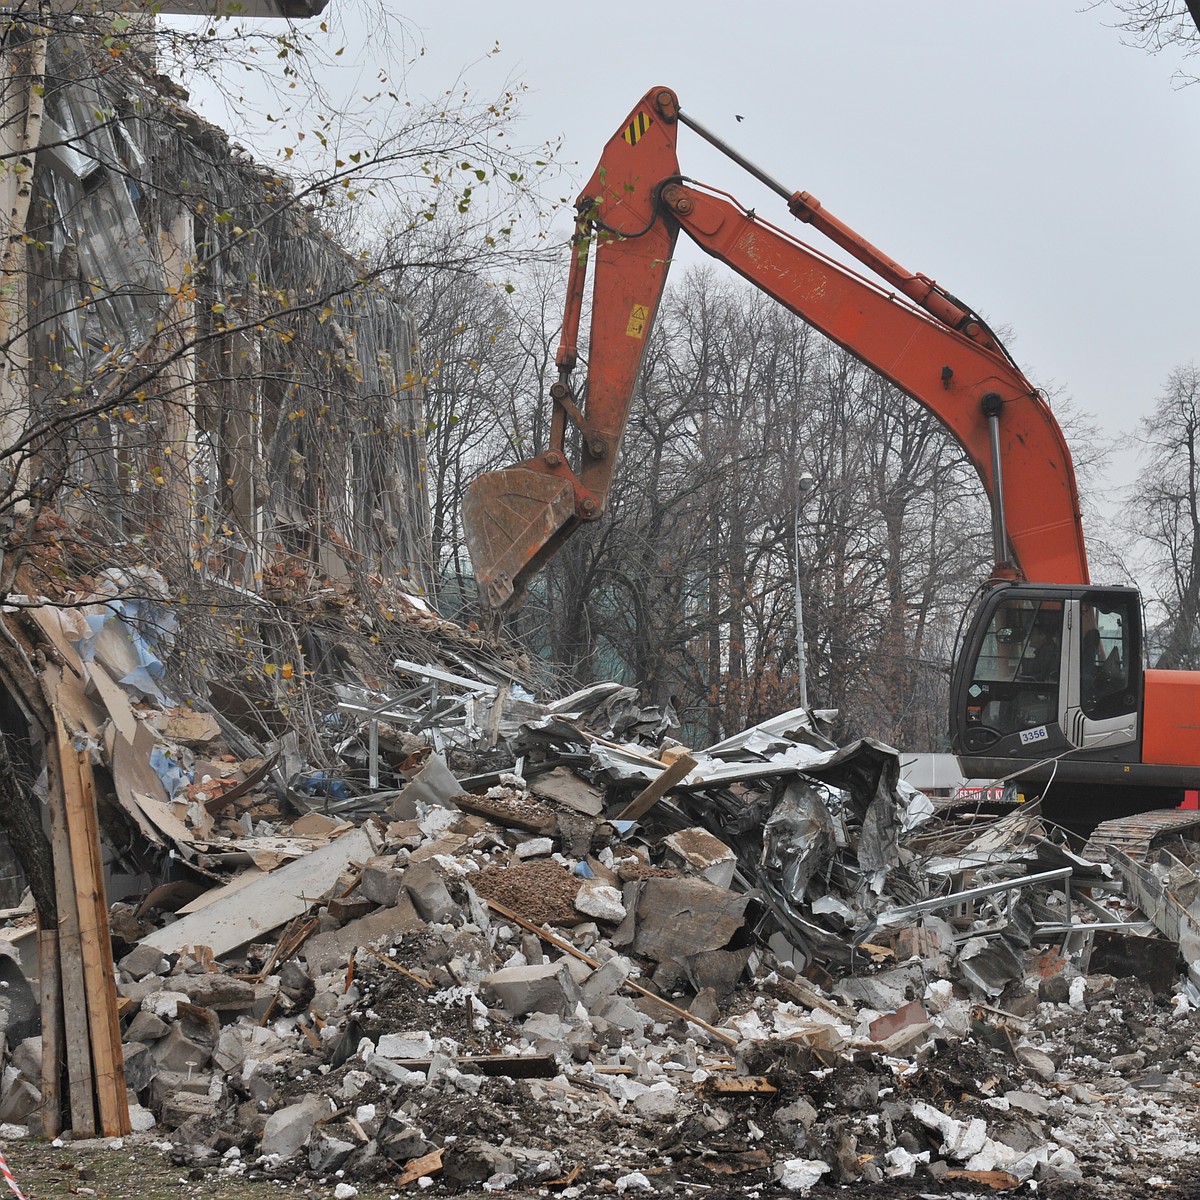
<point>1051,676</point>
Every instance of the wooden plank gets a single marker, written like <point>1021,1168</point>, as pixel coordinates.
<point>159,813</point>
<point>70,954</point>
<point>641,804</point>
<point>77,706</point>
<point>740,1085</point>
<point>417,1168</point>
<point>115,701</point>
<point>132,776</point>
<point>50,986</point>
<point>49,621</point>
<point>108,1067</point>
<point>740,1163</point>
<point>1000,1181</point>
<point>108,1057</point>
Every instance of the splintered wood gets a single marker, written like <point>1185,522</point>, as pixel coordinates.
<point>387,962</point>
<point>418,1168</point>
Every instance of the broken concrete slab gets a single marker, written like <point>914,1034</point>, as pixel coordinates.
<point>672,919</point>
<point>601,901</point>
<point>254,911</point>
<point>563,786</point>
<point>220,992</point>
<point>143,960</point>
<point>288,1129</point>
<point>609,978</point>
<point>381,880</point>
<point>327,951</point>
<point>140,1067</point>
<point>178,1052</point>
<point>547,988</point>
<point>415,1043</point>
<point>704,855</point>
<point>429,893</point>
<point>433,784</point>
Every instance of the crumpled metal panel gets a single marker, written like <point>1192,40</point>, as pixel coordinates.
<point>798,838</point>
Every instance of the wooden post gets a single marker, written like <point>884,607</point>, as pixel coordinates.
<point>50,986</point>
<point>70,950</point>
<point>108,1065</point>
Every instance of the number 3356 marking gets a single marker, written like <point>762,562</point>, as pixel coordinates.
<point>1034,735</point>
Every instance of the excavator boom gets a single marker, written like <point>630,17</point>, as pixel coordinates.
<point>1049,675</point>
<point>902,324</point>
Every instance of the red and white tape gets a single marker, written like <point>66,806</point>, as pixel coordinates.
<point>8,1178</point>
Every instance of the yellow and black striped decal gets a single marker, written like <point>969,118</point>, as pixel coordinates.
<point>636,129</point>
<point>638,316</point>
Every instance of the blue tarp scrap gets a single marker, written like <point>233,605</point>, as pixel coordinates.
<point>149,626</point>
<point>169,769</point>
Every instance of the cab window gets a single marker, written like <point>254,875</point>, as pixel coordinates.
<point>1015,681</point>
<point>1108,657</point>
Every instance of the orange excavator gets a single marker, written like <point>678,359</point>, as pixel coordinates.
<point>1048,681</point>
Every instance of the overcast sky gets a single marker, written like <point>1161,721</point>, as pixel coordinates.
<point>1017,152</point>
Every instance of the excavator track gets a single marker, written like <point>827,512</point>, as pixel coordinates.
<point>1138,835</point>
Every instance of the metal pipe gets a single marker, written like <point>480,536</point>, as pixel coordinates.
<point>886,919</point>
<point>992,405</point>
<point>729,152</point>
<point>804,485</point>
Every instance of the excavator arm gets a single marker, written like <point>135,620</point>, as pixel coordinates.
<point>911,331</point>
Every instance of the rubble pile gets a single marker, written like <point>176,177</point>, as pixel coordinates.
<point>616,963</point>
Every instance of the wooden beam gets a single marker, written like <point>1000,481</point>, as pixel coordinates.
<point>641,804</point>
<point>108,1060</point>
<point>50,987</point>
<point>70,952</point>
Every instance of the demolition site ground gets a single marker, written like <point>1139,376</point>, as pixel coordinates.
<point>563,955</point>
<point>684,1156</point>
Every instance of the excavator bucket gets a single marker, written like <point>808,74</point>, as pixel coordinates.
<point>514,520</point>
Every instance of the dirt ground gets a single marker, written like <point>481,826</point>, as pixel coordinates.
<point>140,1168</point>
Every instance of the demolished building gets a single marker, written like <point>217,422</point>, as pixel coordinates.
<point>384,907</point>
<point>212,443</point>
<point>780,967</point>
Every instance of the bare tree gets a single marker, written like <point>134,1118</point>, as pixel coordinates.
<point>1158,25</point>
<point>207,402</point>
<point>688,585</point>
<point>1167,500</point>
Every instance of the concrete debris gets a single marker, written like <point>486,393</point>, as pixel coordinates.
<point>788,969</point>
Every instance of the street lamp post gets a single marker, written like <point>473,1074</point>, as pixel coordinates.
<point>804,487</point>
